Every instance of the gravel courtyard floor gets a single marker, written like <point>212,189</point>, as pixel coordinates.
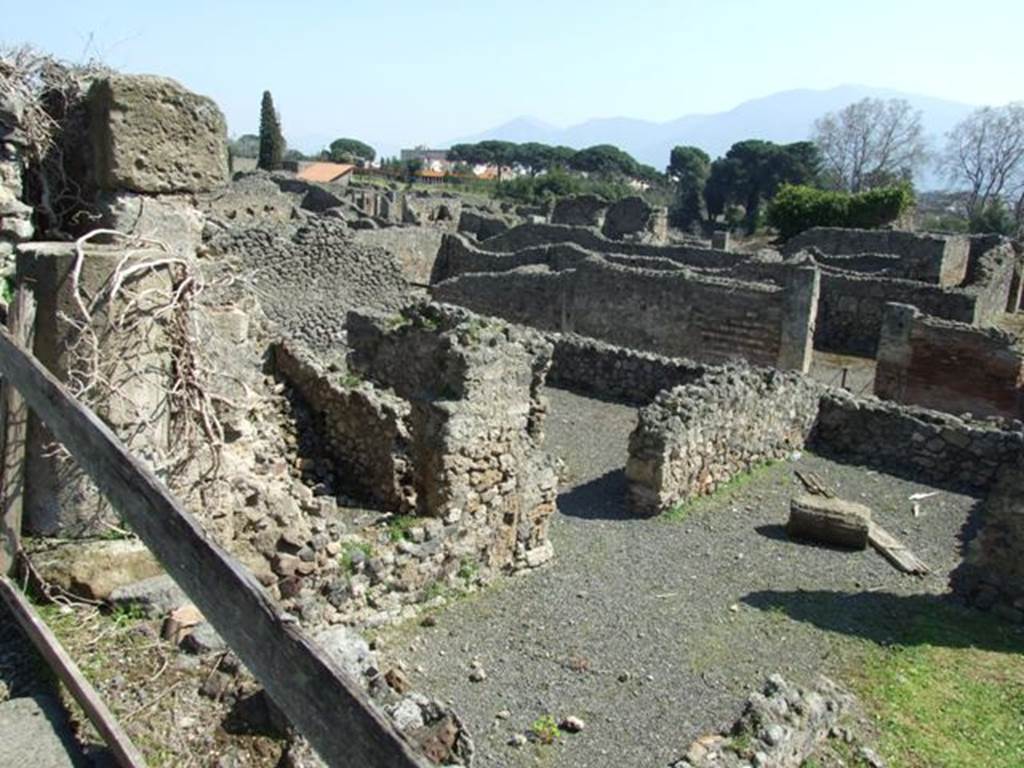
<point>655,631</point>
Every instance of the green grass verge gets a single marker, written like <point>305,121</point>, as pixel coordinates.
<point>949,692</point>
<point>685,509</point>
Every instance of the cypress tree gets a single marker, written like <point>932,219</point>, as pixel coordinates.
<point>271,140</point>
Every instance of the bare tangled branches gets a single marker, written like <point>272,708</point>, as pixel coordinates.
<point>37,93</point>
<point>137,319</point>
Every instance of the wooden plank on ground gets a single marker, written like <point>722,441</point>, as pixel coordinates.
<point>21,320</point>
<point>326,705</point>
<point>49,647</point>
<point>895,552</point>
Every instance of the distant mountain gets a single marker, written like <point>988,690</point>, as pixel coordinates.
<point>781,117</point>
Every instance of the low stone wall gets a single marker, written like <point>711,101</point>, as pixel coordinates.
<point>530,235</point>
<point>592,367</point>
<point>693,438</point>
<point>916,442</point>
<point>931,258</point>
<point>948,366</point>
<point>992,575</point>
<point>365,428</point>
<point>676,313</point>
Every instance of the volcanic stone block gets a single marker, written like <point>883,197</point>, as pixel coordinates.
<point>830,521</point>
<point>149,134</point>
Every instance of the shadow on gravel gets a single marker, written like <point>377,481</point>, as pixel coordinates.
<point>603,498</point>
<point>777,532</point>
<point>889,619</point>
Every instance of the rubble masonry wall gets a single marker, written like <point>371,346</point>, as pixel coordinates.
<point>948,366</point>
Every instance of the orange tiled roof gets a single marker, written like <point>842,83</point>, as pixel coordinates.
<point>430,173</point>
<point>324,172</point>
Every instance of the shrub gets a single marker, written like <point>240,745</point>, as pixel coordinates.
<point>796,208</point>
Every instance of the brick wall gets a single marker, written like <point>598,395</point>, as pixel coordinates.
<point>948,366</point>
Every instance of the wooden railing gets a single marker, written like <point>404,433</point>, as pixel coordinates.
<point>318,697</point>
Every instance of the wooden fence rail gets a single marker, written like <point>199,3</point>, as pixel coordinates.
<point>327,706</point>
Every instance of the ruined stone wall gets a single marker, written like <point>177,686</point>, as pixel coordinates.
<point>457,432</point>
<point>922,444</point>
<point>579,211</point>
<point>458,256</point>
<point>474,386</point>
<point>15,215</point>
<point>633,219</point>
<point>415,248</point>
<point>309,273</point>
<point>531,234</point>
<point>990,276</point>
<point>852,305</point>
<point>365,428</point>
<point>938,259</point>
<point>992,575</point>
<point>693,438</point>
<point>594,368</point>
<point>948,366</point>
<point>673,313</point>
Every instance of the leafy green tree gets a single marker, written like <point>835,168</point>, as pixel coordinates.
<point>246,145</point>
<point>689,167</point>
<point>995,217</point>
<point>752,171</point>
<point>796,208</point>
<point>604,160</point>
<point>346,150</point>
<point>293,154</point>
<point>272,144</point>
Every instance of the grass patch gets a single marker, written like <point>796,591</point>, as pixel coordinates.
<point>684,509</point>
<point>949,692</point>
<point>349,556</point>
<point>544,730</point>
<point>400,525</point>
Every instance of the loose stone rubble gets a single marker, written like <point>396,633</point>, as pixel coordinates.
<point>780,728</point>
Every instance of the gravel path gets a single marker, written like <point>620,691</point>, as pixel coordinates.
<point>655,631</point>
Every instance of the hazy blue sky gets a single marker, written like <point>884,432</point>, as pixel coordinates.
<point>404,72</point>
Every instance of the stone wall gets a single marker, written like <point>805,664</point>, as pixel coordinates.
<point>922,444</point>
<point>992,575</point>
<point>15,215</point>
<point>415,248</point>
<point>693,438</point>
<point>597,369</point>
<point>579,211</point>
<point>632,218</point>
<point>852,305</point>
<point>309,273</point>
<point>948,366</point>
<point>531,234</point>
<point>931,258</point>
<point>448,424</point>
<point>365,428</point>
<point>676,313</point>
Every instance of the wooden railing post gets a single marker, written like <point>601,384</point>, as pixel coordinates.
<point>21,319</point>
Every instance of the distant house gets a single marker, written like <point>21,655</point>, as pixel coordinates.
<point>326,173</point>
<point>428,156</point>
<point>430,176</point>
